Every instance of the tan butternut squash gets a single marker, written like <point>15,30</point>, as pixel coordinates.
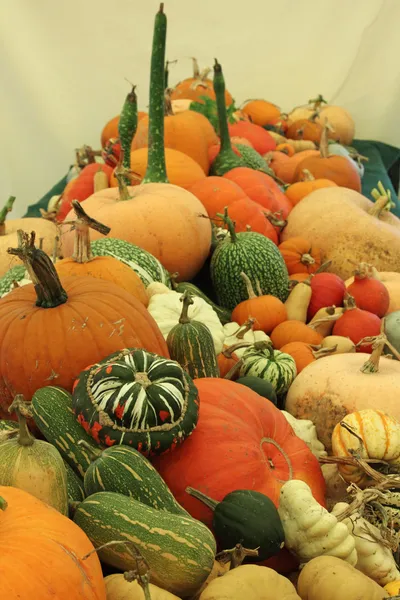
<point>118,588</point>
<point>340,344</point>
<point>324,320</point>
<point>297,303</point>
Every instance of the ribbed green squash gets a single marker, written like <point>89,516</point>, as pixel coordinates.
<point>253,254</point>
<point>54,416</point>
<point>179,550</point>
<point>142,262</point>
<point>224,315</point>
<point>191,344</point>
<point>261,386</point>
<point>33,465</point>
<point>76,492</point>
<point>124,470</point>
<point>262,361</point>
<point>137,398</point>
<point>245,517</point>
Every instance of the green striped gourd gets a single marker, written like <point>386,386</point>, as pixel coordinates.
<point>76,492</point>
<point>142,262</point>
<point>137,398</point>
<point>55,418</point>
<point>124,470</point>
<point>33,465</point>
<point>179,550</point>
<point>274,366</point>
<point>254,254</point>
<point>191,344</point>
<point>224,315</point>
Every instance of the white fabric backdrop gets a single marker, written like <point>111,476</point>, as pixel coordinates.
<point>64,64</point>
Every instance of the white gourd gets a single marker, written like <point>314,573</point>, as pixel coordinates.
<point>310,530</point>
<point>166,308</point>
<point>374,559</point>
<point>232,329</point>
<point>306,431</point>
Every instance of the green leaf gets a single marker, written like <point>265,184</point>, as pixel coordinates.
<point>208,108</point>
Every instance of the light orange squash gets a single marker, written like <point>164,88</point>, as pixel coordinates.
<point>341,120</point>
<point>284,166</point>
<point>262,112</point>
<point>294,331</point>
<point>299,190</point>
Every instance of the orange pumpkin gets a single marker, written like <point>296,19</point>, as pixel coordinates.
<point>300,256</point>
<point>248,215</point>
<point>340,119</point>
<point>100,267</point>
<point>215,193</point>
<point>262,112</point>
<point>304,129</point>
<point>299,190</point>
<point>294,331</point>
<point>48,557</point>
<point>226,360</point>
<point>286,148</point>
<point>267,311</point>
<point>261,140</point>
<point>197,86</point>
<point>285,166</point>
<point>299,276</point>
<point>303,354</point>
<point>64,326</point>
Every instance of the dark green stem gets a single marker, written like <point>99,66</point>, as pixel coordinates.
<point>186,300</point>
<point>3,503</point>
<point>4,212</point>
<point>166,75</point>
<point>24,436</point>
<point>230,224</point>
<point>48,288</point>
<point>219,89</point>
<point>202,497</point>
<point>156,171</point>
<point>127,126</point>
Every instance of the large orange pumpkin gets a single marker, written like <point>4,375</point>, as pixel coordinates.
<point>48,336</point>
<point>197,86</point>
<point>242,441</point>
<point>215,193</point>
<point>43,553</point>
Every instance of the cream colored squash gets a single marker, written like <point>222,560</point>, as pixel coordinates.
<point>166,308</point>
<point>329,389</point>
<point>310,530</point>
<point>342,344</point>
<point>339,118</point>
<point>375,559</point>
<point>250,582</point>
<point>337,220</point>
<point>235,333</point>
<point>391,280</point>
<point>118,588</point>
<point>305,430</point>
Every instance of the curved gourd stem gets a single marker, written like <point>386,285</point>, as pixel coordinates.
<point>93,453</point>
<point>230,224</point>
<point>202,497</point>
<point>48,288</point>
<point>235,556</point>
<point>156,171</point>
<point>383,201</point>
<point>186,300</point>
<point>323,143</point>
<point>82,224</point>
<point>245,328</point>
<point>250,291</point>
<point>24,437</point>
<point>4,212</point>
<point>127,126</point>
<point>317,102</point>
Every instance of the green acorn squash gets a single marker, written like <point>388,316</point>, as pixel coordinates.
<point>262,387</point>
<point>254,254</point>
<point>262,361</point>
<point>136,398</point>
<point>191,344</point>
<point>245,517</point>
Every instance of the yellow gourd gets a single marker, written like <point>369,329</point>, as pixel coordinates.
<point>297,303</point>
<point>118,588</point>
<point>324,320</point>
<point>342,345</point>
<point>393,588</point>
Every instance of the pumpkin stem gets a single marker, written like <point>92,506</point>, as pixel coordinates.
<point>307,259</point>
<point>17,406</point>
<point>93,453</point>
<point>156,171</point>
<point>202,497</point>
<point>249,287</point>
<point>168,110</point>
<point>127,126</point>
<point>245,328</point>
<point>349,302</point>
<point>324,141</point>
<point>229,223</point>
<point>3,503</point>
<point>196,69</point>
<point>307,175</point>
<point>317,102</point>
<point>378,344</point>
<point>235,556</point>
<point>321,352</point>
<point>228,352</point>
<point>186,300</point>
<point>276,219</point>
<point>363,271</point>
<point>383,201</point>
<point>100,180</point>
<point>82,224</point>
<point>48,288</point>
<point>235,368</point>
<point>4,212</point>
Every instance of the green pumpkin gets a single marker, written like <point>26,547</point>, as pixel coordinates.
<point>136,398</point>
<point>254,254</point>
<point>191,344</point>
<point>262,361</point>
<point>245,517</point>
<point>262,387</point>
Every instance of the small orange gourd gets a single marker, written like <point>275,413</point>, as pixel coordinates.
<point>304,354</point>
<point>294,331</point>
<point>300,255</point>
<point>262,112</point>
<point>299,190</point>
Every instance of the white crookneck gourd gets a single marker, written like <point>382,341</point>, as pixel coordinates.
<point>375,559</point>
<point>166,307</point>
<point>235,334</point>
<point>306,431</point>
<point>310,530</point>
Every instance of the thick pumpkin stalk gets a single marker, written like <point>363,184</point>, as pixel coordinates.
<point>48,288</point>
<point>24,436</point>
<point>156,171</point>
<point>127,126</point>
<point>229,223</point>
<point>187,301</point>
<point>83,223</point>
<point>4,212</point>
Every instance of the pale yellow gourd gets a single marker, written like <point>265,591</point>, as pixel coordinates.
<point>250,582</point>
<point>306,431</point>
<point>372,434</point>
<point>235,333</point>
<point>118,588</point>
<point>324,320</point>
<point>342,345</point>
<point>375,559</point>
<point>310,530</point>
<point>329,578</point>
<point>156,287</point>
<point>297,303</point>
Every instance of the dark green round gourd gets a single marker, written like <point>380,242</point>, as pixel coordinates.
<point>245,517</point>
<point>261,386</point>
<point>190,343</point>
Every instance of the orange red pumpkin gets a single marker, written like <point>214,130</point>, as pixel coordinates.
<point>217,192</point>
<point>261,140</point>
<point>300,256</point>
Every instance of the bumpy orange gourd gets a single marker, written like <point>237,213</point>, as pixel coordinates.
<point>300,256</point>
<point>46,559</point>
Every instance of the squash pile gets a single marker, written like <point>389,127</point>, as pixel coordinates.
<point>199,361</point>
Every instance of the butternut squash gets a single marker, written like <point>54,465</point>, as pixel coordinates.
<point>297,303</point>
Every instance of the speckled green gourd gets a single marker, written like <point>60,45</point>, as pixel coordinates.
<point>254,254</point>
<point>125,471</point>
<point>179,550</point>
<point>226,159</point>
<point>190,343</point>
<point>142,262</point>
<point>15,274</point>
<point>127,126</point>
<point>254,160</point>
